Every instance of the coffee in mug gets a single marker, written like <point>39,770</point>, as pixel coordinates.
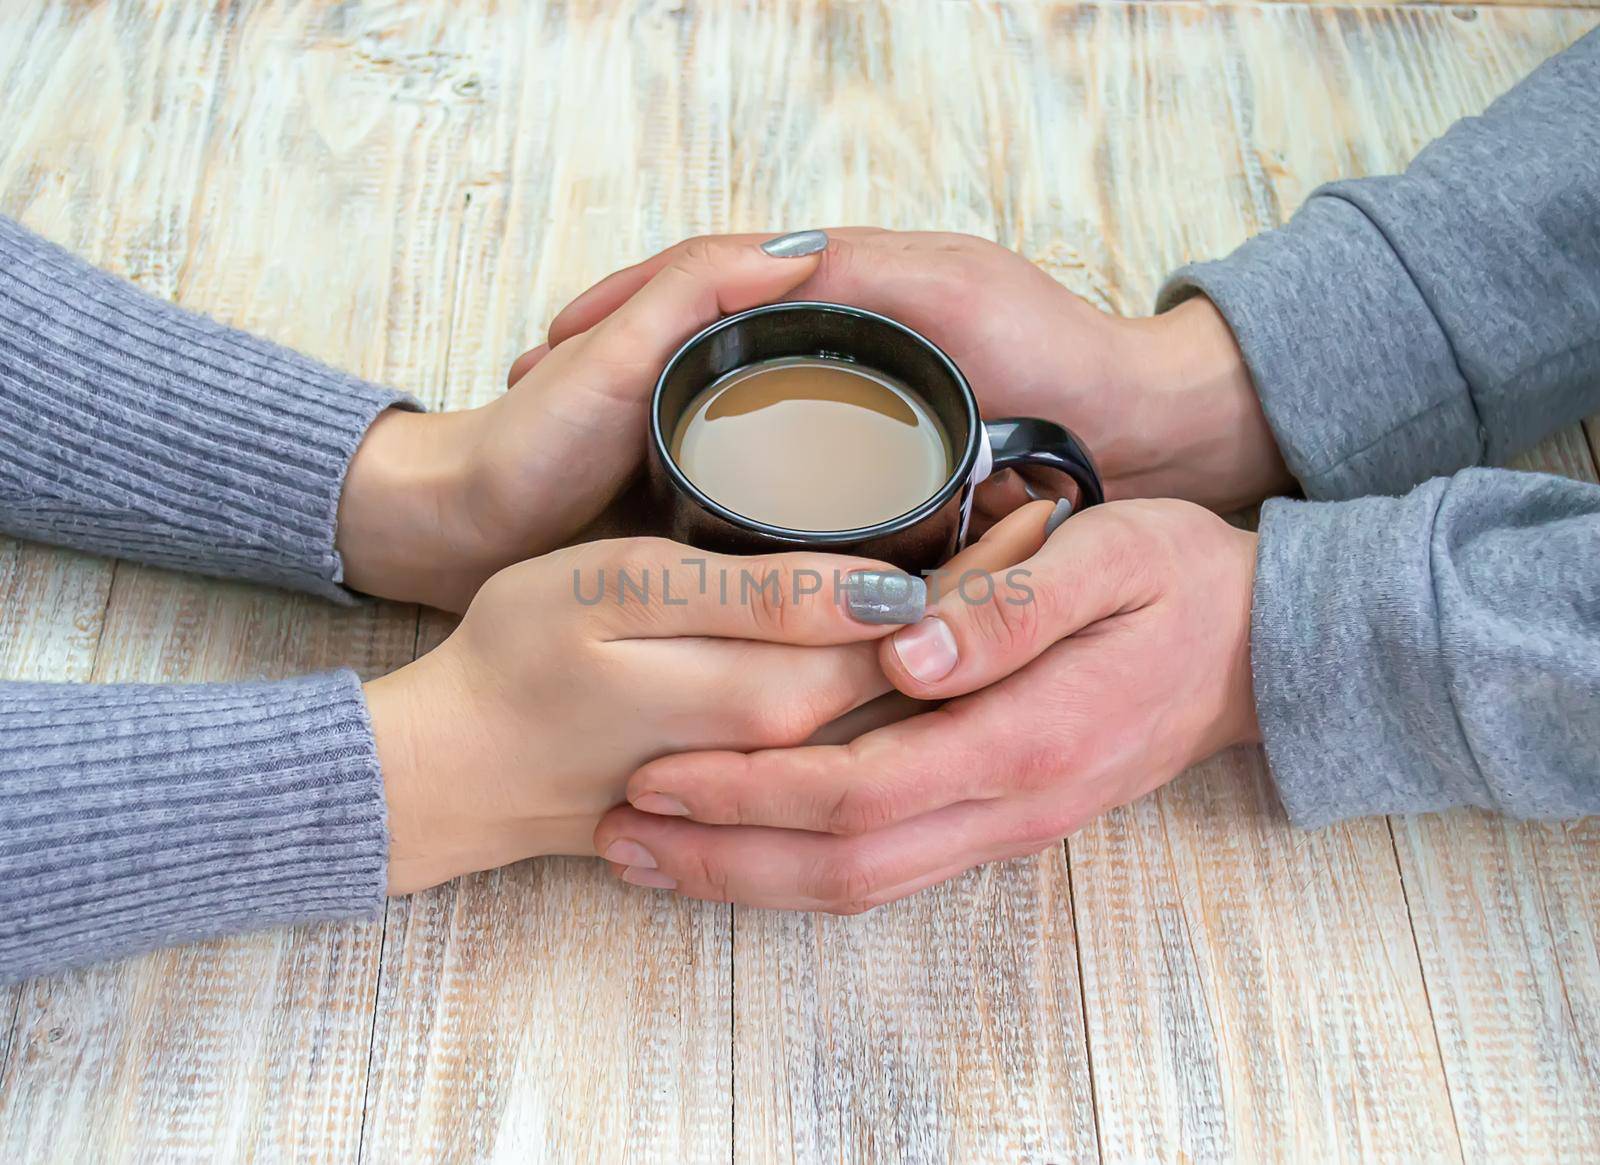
<point>812,443</point>
<point>822,426</point>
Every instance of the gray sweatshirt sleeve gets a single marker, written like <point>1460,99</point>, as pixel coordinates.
<point>139,816</point>
<point>1440,648</point>
<point>1432,650</point>
<point>1403,327</point>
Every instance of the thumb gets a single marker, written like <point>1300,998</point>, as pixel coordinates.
<point>525,364</point>
<point>989,623</point>
<point>705,280</point>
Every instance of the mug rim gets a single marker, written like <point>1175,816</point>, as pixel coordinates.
<point>953,483</point>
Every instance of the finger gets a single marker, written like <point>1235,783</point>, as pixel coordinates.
<point>982,628</point>
<point>526,363</point>
<point>615,289</point>
<point>889,775</point>
<point>1001,494</point>
<point>1011,540</point>
<point>795,870</point>
<point>705,280</point>
<point>650,588</point>
<point>731,693</point>
<point>744,273</point>
<point>813,790</point>
<point>600,300</point>
<point>889,708</point>
<point>1016,538</point>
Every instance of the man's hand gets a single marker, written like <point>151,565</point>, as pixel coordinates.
<point>512,737</point>
<point>1130,663</point>
<point>1165,404</point>
<point>435,504</point>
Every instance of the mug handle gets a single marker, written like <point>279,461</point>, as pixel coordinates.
<point>1031,441</point>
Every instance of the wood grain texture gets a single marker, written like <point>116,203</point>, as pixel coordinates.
<point>1468,9</point>
<point>1516,1032</point>
<point>1211,935</point>
<point>544,1009</point>
<point>52,603</point>
<point>252,1047</point>
<point>1253,994</point>
<point>1507,919</point>
<point>409,190</point>
<point>949,1027</point>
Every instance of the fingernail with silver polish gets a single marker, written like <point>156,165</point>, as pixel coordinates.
<point>796,244</point>
<point>1060,514</point>
<point>879,596</point>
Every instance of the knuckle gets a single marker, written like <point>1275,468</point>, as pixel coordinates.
<point>652,549</point>
<point>775,618</point>
<point>627,553</point>
<point>849,908</point>
<point>1036,769</point>
<point>617,342</point>
<point>1126,554</point>
<point>712,876</point>
<point>858,810</point>
<point>837,265</point>
<point>1038,832</point>
<point>848,883</point>
<point>958,241</point>
<point>777,719</point>
<point>787,711</point>
<point>697,250</point>
<point>1009,628</point>
<point>504,587</point>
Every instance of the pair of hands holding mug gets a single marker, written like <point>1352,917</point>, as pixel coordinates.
<point>539,713</point>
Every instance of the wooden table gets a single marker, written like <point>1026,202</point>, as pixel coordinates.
<point>409,190</point>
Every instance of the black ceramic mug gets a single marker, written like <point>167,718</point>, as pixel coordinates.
<point>920,539</point>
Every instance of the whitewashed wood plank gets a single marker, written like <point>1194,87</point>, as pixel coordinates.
<point>545,1011</point>
<point>297,204</point>
<point>357,74</point>
<point>948,1027</point>
<point>1253,994</point>
<point>1502,912</point>
<point>1466,10</point>
<point>1507,917</point>
<point>52,602</point>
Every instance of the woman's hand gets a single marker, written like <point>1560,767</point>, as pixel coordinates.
<point>435,504</point>
<point>572,670</point>
<point>1165,403</point>
<point>1130,663</point>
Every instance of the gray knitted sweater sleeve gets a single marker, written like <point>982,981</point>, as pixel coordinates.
<point>1442,647</point>
<point>136,816</point>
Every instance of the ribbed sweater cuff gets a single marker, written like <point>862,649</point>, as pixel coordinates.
<point>136,429</point>
<point>133,817</point>
<point>1356,377</point>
